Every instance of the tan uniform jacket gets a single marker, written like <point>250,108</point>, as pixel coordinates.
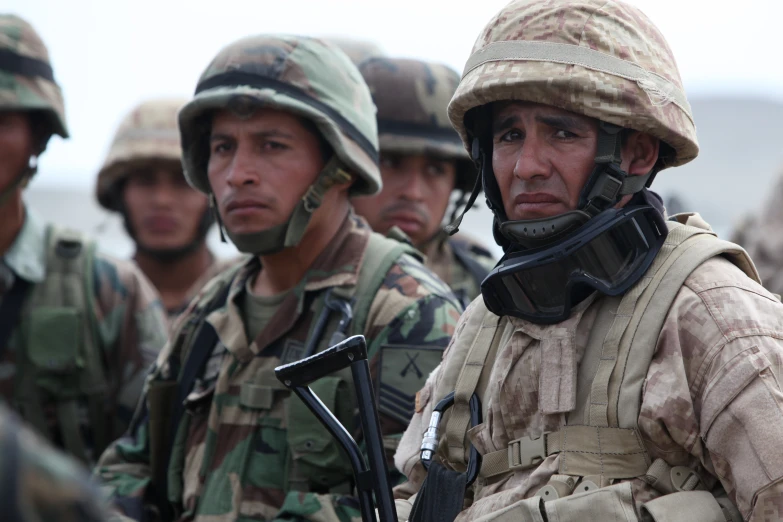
<point>711,401</point>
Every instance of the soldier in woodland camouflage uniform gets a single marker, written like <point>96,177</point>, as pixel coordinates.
<point>628,367</point>
<point>168,220</point>
<point>77,329</point>
<point>280,133</point>
<point>423,164</point>
<point>40,484</point>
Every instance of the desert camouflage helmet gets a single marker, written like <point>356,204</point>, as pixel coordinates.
<point>147,133</point>
<point>26,78</point>
<point>412,98</point>
<point>605,60</point>
<point>357,50</point>
<point>306,77</point>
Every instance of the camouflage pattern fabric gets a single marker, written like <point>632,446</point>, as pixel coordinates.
<point>232,461</point>
<point>40,484</point>
<point>304,76</point>
<point>148,133</point>
<point>218,266</point>
<point>130,322</point>
<point>651,101</point>
<point>760,235</point>
<point>712,399</point>
<point>442,260</point>
<point>412,97</point>
<point>33,88</point>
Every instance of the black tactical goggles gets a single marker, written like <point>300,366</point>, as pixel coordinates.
<point>608,254</point>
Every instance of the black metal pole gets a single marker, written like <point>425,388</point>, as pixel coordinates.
<point>371,427</point>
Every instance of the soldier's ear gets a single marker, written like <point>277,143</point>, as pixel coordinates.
<point>639,153</point>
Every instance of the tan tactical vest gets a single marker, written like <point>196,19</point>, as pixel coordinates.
<point>59,360</point>
<point>600,444</point>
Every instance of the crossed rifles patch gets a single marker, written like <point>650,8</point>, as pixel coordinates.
<point>403,372</point>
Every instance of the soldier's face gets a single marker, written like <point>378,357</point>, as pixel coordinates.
<point>260,167</point>
<point>542,157</point>
<point>16,145</point>
<point>415,195</point>
<point>164,211</point>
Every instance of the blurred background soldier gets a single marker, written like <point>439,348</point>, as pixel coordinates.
<point>423,164</point>
<point>168,220</point>
<point>40,484</point>
<point>357,50</point>
<point>77,329</point>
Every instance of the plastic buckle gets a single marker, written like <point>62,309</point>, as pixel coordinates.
<point>606,189</point>
<point>526,452</point>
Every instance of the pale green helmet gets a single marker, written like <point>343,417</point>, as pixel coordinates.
<point>303,76</point>
<point>26,78</point>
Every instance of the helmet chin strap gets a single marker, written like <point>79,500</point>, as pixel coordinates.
<point>605,187</point>
<point>21,180</point>
<point>290,233</point>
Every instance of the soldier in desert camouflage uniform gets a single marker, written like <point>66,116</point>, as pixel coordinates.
<point>40,484</point>
<point>168,220</point>
<point>280,133</point>
<point>77,329</point>
<point>660,401</point>
<point>423,164</point>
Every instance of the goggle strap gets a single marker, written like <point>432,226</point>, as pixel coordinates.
<point>453,228</point>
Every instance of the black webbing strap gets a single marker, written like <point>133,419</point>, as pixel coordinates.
<point>462,253</point>
<point>441,496</point>
<point>11,62</point>
<point>202,348</point>
<point>11,309</point>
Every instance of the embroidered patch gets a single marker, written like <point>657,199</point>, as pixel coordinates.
<point>402,373</point>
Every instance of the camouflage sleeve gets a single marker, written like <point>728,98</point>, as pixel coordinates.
<point>411,322</point>
<point>132,328</point>
<point>713,387</point>
<point>39,483</point>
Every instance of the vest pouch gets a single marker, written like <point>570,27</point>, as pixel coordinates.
<point>54,349</point>
<point>318,459</point>
<point>684,506</point>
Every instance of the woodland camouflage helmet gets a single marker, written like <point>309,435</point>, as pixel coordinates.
<point>412,98</point>
<point>27,84</point>
<point>147,133</point>
<point>300,75</point>
<point>357,50</point>
<point>605,60</point>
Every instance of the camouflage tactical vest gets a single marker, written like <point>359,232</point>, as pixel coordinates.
<point>59,360</point>
<point>600,444</point>
<point>316,462</point>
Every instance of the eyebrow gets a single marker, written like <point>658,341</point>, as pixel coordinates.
<point>505,123</point>
<point>562,121</point>
<point>275,133</point>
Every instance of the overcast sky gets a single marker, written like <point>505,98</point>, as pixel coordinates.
<point>111,54</point>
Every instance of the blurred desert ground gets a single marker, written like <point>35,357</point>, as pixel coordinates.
<point>741,143</point>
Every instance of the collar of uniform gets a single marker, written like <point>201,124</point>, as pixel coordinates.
<point>337,265</point>
<point>439,256</point>
<point>27,256</point>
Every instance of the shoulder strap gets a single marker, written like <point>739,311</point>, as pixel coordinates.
<point>201,346</point>
<point>11,309</point>
<point>485,342</point>
<point>379,256</point>
<point>464,255</point>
